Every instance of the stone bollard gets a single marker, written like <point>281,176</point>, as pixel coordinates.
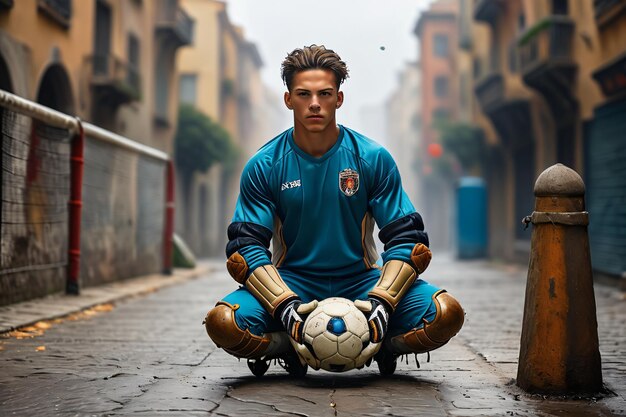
<point>559,351</point>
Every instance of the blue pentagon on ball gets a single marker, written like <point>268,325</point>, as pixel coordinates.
<point>336,325</point>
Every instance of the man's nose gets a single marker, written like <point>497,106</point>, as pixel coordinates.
<point>314,105</point>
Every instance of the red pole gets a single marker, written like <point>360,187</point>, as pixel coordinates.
<point>75,209</point>
<point>168,229</point>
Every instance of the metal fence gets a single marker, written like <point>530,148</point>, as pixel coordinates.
<point>34,194</point>
<point>115,206</point>
<point>123,213</point>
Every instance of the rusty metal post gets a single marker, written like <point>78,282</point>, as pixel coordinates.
<point>559,350</point>
<point>168,229</point>
<point>72,285</point>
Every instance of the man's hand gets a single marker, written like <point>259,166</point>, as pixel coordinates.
<point>377,318</point>
<point>292,319</point>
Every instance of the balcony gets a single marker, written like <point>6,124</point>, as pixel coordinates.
<point>607,10</point>
<point>175,24</point>
<point>114,81</point>
<point>60,11</point>
<point>487,10</point>
<point>510,115</point>
<point>611,77</point>
<point>490,91</point>
<point>546,62</point>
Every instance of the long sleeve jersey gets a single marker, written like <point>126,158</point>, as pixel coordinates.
<point>320,212</point>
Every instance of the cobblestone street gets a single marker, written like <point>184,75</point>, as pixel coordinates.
<point>149,355</point>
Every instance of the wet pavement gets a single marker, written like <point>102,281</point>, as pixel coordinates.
<point>149,355</point>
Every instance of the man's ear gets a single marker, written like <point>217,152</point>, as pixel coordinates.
<point>339,98</point>
<point>287,98</point>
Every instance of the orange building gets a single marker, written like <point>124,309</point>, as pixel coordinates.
<point>109,62</point>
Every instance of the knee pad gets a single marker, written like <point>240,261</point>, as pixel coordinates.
<point>436,333</point>
<point>223,329</point>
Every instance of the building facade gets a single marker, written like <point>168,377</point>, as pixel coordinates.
<point>116,72</point>
<point>220,76</point>
<point>552,87</point>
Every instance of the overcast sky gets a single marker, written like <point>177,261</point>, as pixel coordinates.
<point>355,29</point>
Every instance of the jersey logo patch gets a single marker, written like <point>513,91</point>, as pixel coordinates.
<point>290,184</point>
<point>349,182</point>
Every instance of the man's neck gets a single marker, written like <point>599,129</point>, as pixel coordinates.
<point>316,144</point>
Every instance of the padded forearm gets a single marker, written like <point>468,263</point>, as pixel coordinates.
<point>237,267</point>
<point>269,288</point>
<point>395,280</point>
<point>421,256</point>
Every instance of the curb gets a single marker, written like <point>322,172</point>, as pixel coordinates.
<point>25,313</point>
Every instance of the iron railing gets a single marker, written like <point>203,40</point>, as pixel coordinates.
<point>60,228</point>
<point>176,21</point>
<point>58,10</point>
<point>108,70</point>
<point>606,10</point>
<point>550,40</point>
<point>490,90</point>
<point>486,10</point>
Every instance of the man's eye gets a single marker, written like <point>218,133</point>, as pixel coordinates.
<point>303,94</point>
<point>325,93</point>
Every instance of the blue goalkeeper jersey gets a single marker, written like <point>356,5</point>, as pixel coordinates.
<point>320,212</point>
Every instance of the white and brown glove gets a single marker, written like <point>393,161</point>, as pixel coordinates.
<point>377,317</point>
<point>293,315</point>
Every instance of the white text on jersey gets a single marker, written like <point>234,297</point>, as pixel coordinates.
<point>290,184</point>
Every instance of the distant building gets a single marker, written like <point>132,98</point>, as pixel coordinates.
<point>403,135</point>
<point>220,76</point>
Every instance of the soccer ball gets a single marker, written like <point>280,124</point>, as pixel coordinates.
<point>335,334</point>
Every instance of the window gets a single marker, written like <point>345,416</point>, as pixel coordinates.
<point>441,45</point>
<point>59,11</point>
<point>133,61</point>
<point>494,57</point>
<point>521,22</point>
<point>133,51</point>
<point>514,59</point>
<point>102,39</point>
<point>441,86</point>
<point>188,88</point>
<point>440,116</point>
<point>559,7</point>
<point>477,70</point>
<point>465,91</point>
<point>416,122</point>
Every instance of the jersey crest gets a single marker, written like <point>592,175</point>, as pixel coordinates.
<point>349,182</point>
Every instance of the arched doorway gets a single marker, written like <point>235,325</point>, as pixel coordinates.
<point>55,90</point>
<point>6,83</point>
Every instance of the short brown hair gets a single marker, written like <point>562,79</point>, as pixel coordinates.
<point>313,57</point>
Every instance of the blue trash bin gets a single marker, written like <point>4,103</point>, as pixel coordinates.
<point>471,218</point>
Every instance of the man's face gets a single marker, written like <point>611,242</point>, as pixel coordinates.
<point>314,98</point>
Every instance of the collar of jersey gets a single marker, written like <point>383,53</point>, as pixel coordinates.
<point>311,158</point>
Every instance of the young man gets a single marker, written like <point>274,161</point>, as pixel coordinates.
<point>316,190</point>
